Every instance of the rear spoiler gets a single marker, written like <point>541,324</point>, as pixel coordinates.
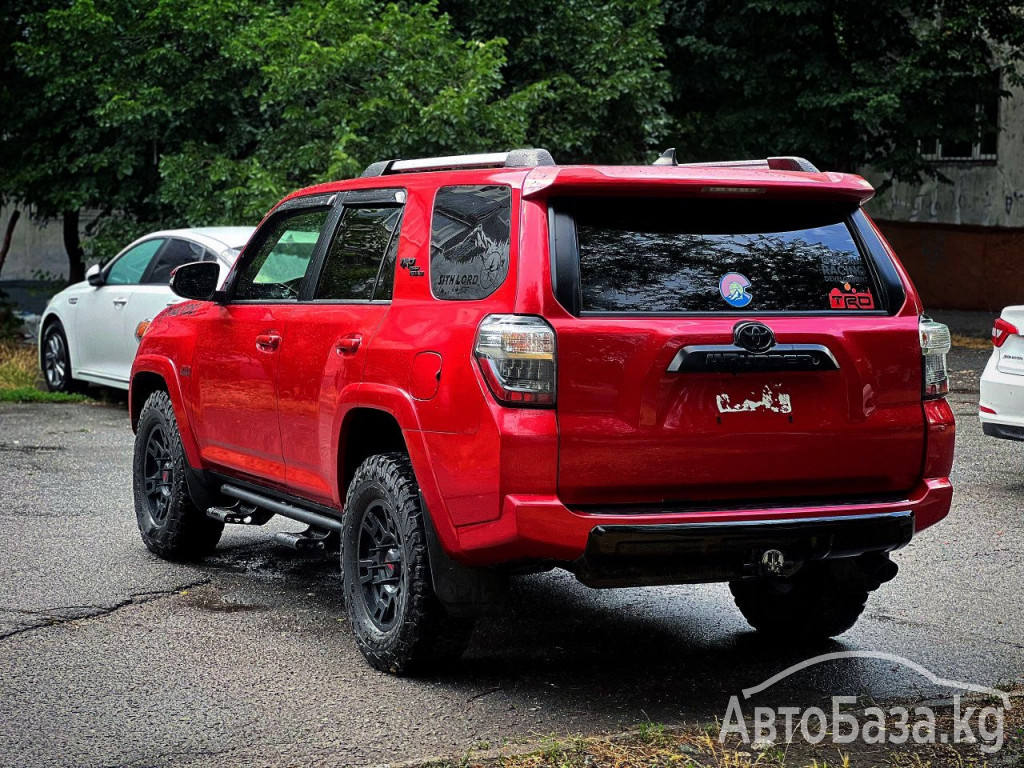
<point>739,179</point>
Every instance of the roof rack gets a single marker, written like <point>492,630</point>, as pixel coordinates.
<point>515,158</point>
<point>668,157</point>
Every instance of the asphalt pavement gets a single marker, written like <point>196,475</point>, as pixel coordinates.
<point>112,657</point>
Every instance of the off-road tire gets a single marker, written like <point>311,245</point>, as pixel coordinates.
<point>55,361</point>
<point>414,634</point>
<point>809,607</point>
<point>172,526</point>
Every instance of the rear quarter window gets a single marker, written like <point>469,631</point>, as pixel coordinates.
<point>470,233</point>
<point>694,255</point>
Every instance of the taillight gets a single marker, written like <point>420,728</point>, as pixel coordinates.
<point>516,354</point>
<point>1001,331</point>
<point>935,343</point>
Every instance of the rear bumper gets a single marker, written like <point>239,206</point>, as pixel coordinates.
<point>533,528</point>
<point>1003,393</point>
<point>1002,430</point>
<point>694,552</point>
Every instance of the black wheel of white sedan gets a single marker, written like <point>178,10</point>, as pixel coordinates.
<point>398,622</point>
<point>56,360</point>
<point>172,526</point>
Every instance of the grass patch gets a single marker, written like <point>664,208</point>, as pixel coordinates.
<point>33,395</point>
<point>18,366</point>
<point>971,342</point>
<point>652,745</point>
<point>19,373</point>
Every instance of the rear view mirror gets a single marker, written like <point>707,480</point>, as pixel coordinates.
<point>94,275</point>
<point>197,280</point>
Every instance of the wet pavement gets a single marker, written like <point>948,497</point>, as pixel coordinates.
<point>109,656</point>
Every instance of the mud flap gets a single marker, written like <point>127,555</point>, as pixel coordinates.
<point>464,591</point>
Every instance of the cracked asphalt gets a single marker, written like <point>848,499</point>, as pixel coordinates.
<point>111,657</point>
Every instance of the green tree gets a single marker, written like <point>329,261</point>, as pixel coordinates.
<point>103,90</point>
<point>339,85</point>
<point>596,66</point>
<point>846,84</point>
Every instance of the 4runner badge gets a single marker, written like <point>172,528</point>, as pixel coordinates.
<point>410,264</point>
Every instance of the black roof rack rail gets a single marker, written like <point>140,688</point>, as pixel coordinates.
<point>668,157</point>
<point>514,158</point>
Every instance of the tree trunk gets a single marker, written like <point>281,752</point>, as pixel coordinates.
<point>73,246</point>
<point>6,246</point>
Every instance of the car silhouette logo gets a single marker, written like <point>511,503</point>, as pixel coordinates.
<point>753,336</point>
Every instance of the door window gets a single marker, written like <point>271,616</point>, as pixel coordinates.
<point>172,256</point>
<point>361,263</point>
<point>277,270</point>
<point>129,268</point>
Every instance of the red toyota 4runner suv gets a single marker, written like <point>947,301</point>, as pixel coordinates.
<point>460,369</point>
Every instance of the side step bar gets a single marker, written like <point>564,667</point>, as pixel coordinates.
<point>282,508</point>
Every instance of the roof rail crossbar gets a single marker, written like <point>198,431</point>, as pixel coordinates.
<point>515,158</point>
<point>788,163</point>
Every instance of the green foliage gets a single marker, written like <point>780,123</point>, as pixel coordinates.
<point>9,322</point>
<point>845,84</point>
<point>341,84</point>
<point>196,112</point>
<point>595,65</point>
<point>33,395</point>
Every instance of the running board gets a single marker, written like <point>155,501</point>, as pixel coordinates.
<point>282,508</point>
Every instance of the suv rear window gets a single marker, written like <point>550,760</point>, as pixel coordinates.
<point>693,255</point>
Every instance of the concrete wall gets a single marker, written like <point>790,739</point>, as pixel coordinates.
<point>984,194</point>
<point>37,247</point>
<point>963,242</point>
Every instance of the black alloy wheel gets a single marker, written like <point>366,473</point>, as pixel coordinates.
<point>171,524</point>
<point>380,565</point>
<point>158,475</point>
<point>399,624</point>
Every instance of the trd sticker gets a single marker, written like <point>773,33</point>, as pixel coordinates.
<point>849,297</point>
<point>735,289</point>
<point>410,264</point>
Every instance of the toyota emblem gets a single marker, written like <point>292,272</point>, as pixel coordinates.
<point>753,336</point>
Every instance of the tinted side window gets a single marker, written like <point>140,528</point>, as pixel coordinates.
<point>469,241</point>
<point>683,255</point>
<point>132,264</point>
<point>173,255</point>
<point>354,261</point>
<point>279,266</point>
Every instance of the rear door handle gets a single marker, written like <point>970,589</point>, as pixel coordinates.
<point>120,302</point>
<point>348,345</point>
<point>268,342</point>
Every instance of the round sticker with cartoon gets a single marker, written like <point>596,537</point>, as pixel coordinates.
<point>734,288</point>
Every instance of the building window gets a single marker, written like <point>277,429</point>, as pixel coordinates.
<point>983,149</point>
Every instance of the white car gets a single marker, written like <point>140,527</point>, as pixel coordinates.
<point>90,331</point>
<point>1001,406</point>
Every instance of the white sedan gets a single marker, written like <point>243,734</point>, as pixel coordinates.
<point>1001,406</point>
<point>91,330</point>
